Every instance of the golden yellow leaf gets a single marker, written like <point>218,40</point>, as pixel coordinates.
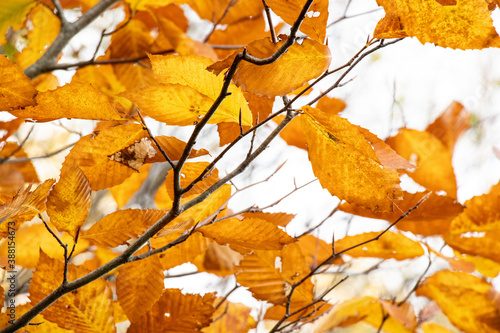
<point>182,253</point>
<point>45,82</point>
<point>139,285</point>
<point>74,100</point>
<point>16,91</point>
<point>147,4</point>
<point>301,63</point>
<point>117,228</point>
<point>124,191</point>
<point>390,246</point>
<point>257,272</point>
<point>46,327</point>
<point>132,41</point>
<point>232,317</point>
<point>432,217</point>
<point>389,27</point>
<point>88,309</point>
<point>346,164</point>
<point>176,104</point>
<point>45,30</point>
<point>464,299</point>
<point>487,267</point>
<point>292,133</point>
<point>92,155</point>
<point>19,173</point>
<point>218,259</point>
<point>368,309</point>
<point>454,121</point>
<point>176,312</point>
<point>481,213</point>
<point>430,155</point>
<point>484,244</point>
<point>13,14</point>
<point>173,69</point>
<point>24,207</point>
<point>213,10</point>
<point>249,233</point>
<point>31,238</point>
<point>314,24</point>
<point>101,77</point>
<point>465,25</point>
<point>189,173</point>
<point>278,219</point>
<point>68,203</point>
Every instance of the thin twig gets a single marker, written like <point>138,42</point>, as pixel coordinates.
<point>18,148</point>
<point>27,159</point>
<point>319,224</point>
<point>226,296</point>
<point>270,22</point>
<point>226,11</point>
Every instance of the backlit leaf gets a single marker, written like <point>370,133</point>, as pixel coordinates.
<point>73,310</point>
<point>177,312</point>
<point>139,285</point>
<point>182,253</point>
<point>16,91</point>
<point>13,14</point>
<point>314,24</point>
<point>68,203</point>
<point>232,317</point>
<point>301,63</point>
<point>253,234</point>
<point>75,100</point>
<point>465,25</point>
<point>214,10</point>
<point>464,299</point>
<point>117,228</point>
<point>331,105</point>
<point>432,217</point>
<point>430,155</point>
<point>450,125</point>
<point>218,259</point>
<point>346,164</point>
<point>484,244</point>
<point>45,30</point>
<point>172,69</point>
<point>19,173</point>
<point>390,246</point>
<point>92,155</point>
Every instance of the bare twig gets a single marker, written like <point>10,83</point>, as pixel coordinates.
<point>270,22</point>
<point>19,147</point>
<point>226,11</point>
<point>27,159</point>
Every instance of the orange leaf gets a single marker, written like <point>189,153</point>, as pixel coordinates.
<point>314,24</point>
<point>450,125</point>
<point>278,219</point>
<point>92,155</point>
<point>218,259</point>
<point>292,133</point>
<point>178,312</point>
<point>301,63</point>
<point>88,309</point>
<point>74,100</point>
<point>481,213</point>
<point>331,105</point>
<point>390,246</point>
<point>101,77</point>
<point>434,328</point>
<point>123,192</point>
<point>133,40</point>
<point>432,217</point>
<point>16,91</point>
<point>189,173</point>
<point>139,285</point>
<point>464,299</point>
<point>346,164</point>
<point>487,267</point>
<point>117,228</point>
<point>430,155</point>
<point>24,207</point>
<point>252,234</point>
<point>215,10</point>
<point>68,203</point>
<point>45,30</point>
<point>232,317</point>
<point>19,173</point>
<point>465,25</point>
<point>484,244</point>
<point>182,253</point>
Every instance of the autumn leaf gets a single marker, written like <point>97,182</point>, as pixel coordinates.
<point>464,299</point>
<point>346,164</point>
<point>226,10</point>
<point>430,155</point>
<point>465,25</point>
<point>75,100</point>
<point>314,24</point>
<point>13,14</point>
<point>231,318</point>
<point>24,206</point>
<point>16,91</point>
<point>45,30</point>
<point>218,259</point>
<point>176,312</point>
<point>182,253</point>
<point>139,285</point>
<point>252,234</point>
<point>301,63</point>
<point>391,245</point>
<point>432,217</point>
<point>73,310</point>
<point>172,69</point>
<point>331,105</point>
<point>117,228</point>
<point>19,173</point>
<point>450,125</point>
<point>68,203</point>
